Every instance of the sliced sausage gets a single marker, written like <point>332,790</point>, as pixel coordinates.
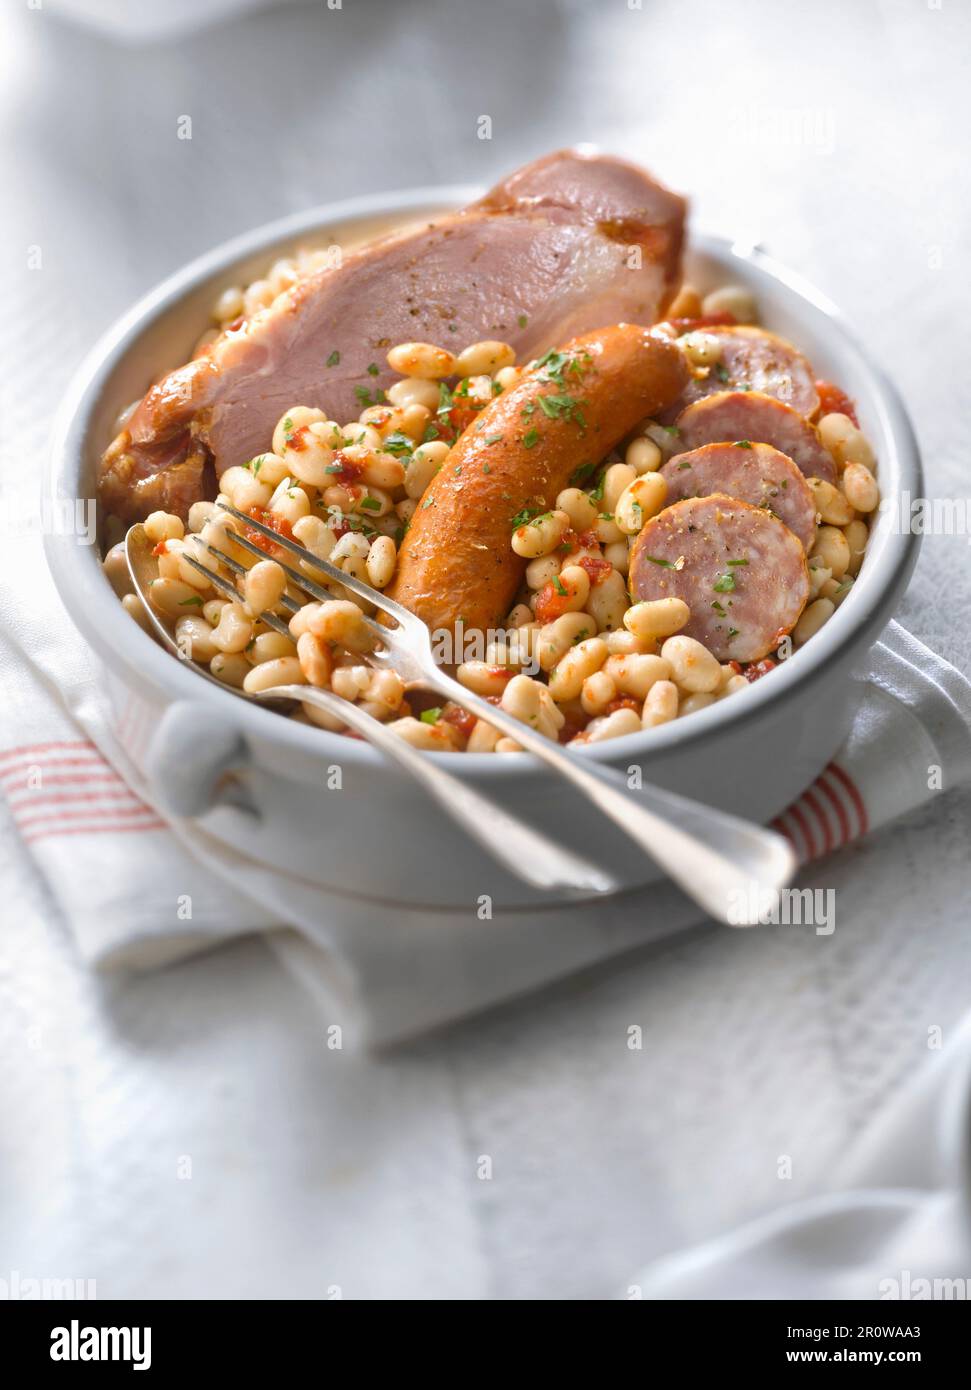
<point>739,569</point>
<point>751,415</point>
<point>754,473</point>
<point>456,560</point>
<point>754,360</point>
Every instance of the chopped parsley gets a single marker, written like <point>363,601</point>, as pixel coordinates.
<point>665,564</point>
<point>522,320</point>
<point>725,583</point>
<point>524,517</point>
<point>560,587</point>
<point>739,562</point>
<point>580,474</point>
<point>373,369</point>
<point>431,716</point>
<point>369,504</point>
<point>743,444</point>
<point>334,359</point>
<point>194,602</point>
<point>530,438</point>
<point>397,443</point>
<point>493,439</point>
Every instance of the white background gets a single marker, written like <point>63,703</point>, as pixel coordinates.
<point>836,134</point>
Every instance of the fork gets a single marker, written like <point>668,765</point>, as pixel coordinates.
<point>732,868</point>
<point>525,851</point>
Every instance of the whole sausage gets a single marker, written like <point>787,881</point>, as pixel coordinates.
<point>456,560</point>
<point>753,416</point>
<point>755,360</point>
<point>754,473</point>
<point>740,570</point>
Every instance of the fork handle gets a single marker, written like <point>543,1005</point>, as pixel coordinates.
<point>732,868</point>
<point>524,851</point>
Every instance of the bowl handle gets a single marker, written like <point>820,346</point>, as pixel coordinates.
<point>191,752</point>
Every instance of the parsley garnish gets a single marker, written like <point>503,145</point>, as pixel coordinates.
<point>334,358</point>
<point>724,584</point>
<point>493,439</point>
<point>524,517</point>
<point>738,562</point>
<point>369,504</point>
<point>743,444</point>
<point>530,438</point>
<point>194,602</point>
<point>665,564</point>
<point>430,716</point>
<point>522,320</point>
<point>373,369</point>
<point>397,443</point>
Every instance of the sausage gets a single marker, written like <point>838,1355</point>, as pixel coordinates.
<point>751,415</point>
<point>456,560</point>
<point>754,360</point>
<point>739,569</point>
<point>754,473</point>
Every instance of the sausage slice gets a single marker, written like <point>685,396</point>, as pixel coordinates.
<point>739,569</point>
<point>456,560</point>
<point>755,360</point>
<point>752,415</point>
<point>754,473</point>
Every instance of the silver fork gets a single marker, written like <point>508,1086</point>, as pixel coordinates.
<point>523,850</point>
<point>729,866</point>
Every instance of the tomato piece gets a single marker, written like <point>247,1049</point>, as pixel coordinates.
<point>460,719</point>
<point>755,669</point>
<point>597,570</point>
<point>276,523</point>
<point>160,549</point>
<point>550,603</point>
<point>834,401</point>
<point>345,470</point>
<point>623,702</point>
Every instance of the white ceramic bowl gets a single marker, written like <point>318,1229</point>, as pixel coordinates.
<point>261,781</point>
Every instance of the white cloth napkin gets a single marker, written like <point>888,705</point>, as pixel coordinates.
<point>111,859</point>
<point>895,1226</point>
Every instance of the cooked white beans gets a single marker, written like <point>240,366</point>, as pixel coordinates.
<point>421,360</point>
<point>860,487</point>
<point>635,674</point>
<point>573,668</point>
<point>702,349</point>
<point>559,636</point>
<point>115,567</point>
<point>834,429</point>
<point>413,390</point>
<point>268,646</point>
<point>812,620</point>
<point>616,725</point>
<point>661,617</point>
<point>618,554</point>
<point>285,670</point>
<point>617,477</point>
<point>263,587</point>
<point>541,535</point>
<point>341,621</point>
<point>701,699</point>
<point>298,418</point>
<point>380,561</point>
<point>661,705</point>
<point>231,668</point>
<point>234,631</point>
<point>639,501</point>
<point>831,550</point>
<point>193,636</point>
<point>597,692</point>
<point>483,738</point>
<point>730,299</point>
<point>541,570</point>
<point>579,507</point>
<point>643,455</point>
<point>173,598</point>
<point>692,665</point>
<point>832,506</point>
<point>857,536</point>
<point>607,601</point>
<point>316,659</point>
<point>488,356</point>
<point>425,463</point>
<point>163,526</point>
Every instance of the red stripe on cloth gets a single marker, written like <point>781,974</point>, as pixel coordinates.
<point>836,801</point>
<point>810,801</point>
<point>30,796</point>
<point>779,825</point>
<point>68,779</point>
<point>110,828</point>
<point>804,830</point>
<point>853,793</point>
<point>53,766</point>
<point>109,812</point>
<point>24,749</point>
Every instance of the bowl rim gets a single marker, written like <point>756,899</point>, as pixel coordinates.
<point>100,618</point>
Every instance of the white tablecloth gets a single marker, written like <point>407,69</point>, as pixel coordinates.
<point>191,1133</point>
